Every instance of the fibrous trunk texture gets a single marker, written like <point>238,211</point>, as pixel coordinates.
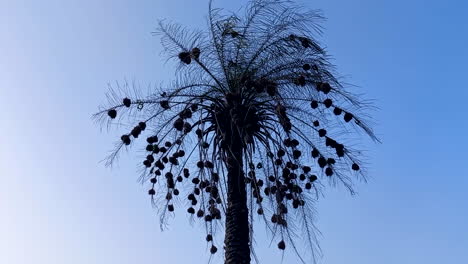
<point>236,242</point>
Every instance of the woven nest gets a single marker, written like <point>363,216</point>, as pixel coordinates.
<point>337,111</point>
<point>327,103</point>
<point>355,167</point>
<point>125,139</point>
<point>196,53</point>
<point>348,117</point>
<point>127,102</point>
<point>314,104</point>
<point>322,132</point>
<point>152,139</point>
<point>315,153</point>
<point>136,131</point>
<point>112,113</point>
<point>185,57</point>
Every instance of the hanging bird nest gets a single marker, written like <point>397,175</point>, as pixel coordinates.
<point>302,177</point>
<point>199,133</point>
<point>213,249</point>
<point>127,102</point>
<point>329,142</point>
<point>355,167</point>
<point>170,183</point>
<point>200,164</point>
<point>187,128</point>
<point>173,161</point>
<point>179,124</point>
<point>328,102</point>
<point>191,196</point>
<point>313,178</point>
<point>314,104</point>
<point>156,149</point>
<point>170,208</point>
<point>296,154</point>
<point>323,87</point>
<point>142,125</point>
<point>160,165</point>
<point>315,153</point>
<point>271,87</point>
<point>348,117</point>
<point>281,153</point>
<point>337,111</point>
<point>196,53</point>
<point>186,113</point>
<point>322,162</point>
<point>152,140</point>
<point>136,131</point>
<point>340,150</point>
<point>195,180</point>
<point>112,113</point>
<point>274,218</point>
<point>282,245</point>
<point>185,57</point>
<point>300,81</point>
<point>305,42</point>
<point>294,143</point>
<point>165,104</point>
<point>125,139</point>
<point>322,132</point>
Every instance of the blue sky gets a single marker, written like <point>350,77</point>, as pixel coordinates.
<point>59,205</point>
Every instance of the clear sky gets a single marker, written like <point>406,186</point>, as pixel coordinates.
<point>59,205</point>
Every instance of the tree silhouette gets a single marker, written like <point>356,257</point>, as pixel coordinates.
<point>253,124</point>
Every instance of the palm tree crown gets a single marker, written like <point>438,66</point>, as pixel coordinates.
<point>254,91</point>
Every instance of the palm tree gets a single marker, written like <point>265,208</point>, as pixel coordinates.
<point>252,125</point>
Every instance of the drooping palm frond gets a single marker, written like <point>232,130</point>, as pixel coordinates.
<point>265,76</point>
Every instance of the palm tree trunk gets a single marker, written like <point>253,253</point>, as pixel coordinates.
<point>237,239</point>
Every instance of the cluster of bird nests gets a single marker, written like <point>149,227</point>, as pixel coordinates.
<point>287,178</point>
<point>273,95</point>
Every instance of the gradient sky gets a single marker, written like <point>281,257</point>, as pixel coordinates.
<point>59,205</point>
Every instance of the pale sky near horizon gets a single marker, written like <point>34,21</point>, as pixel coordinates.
<point>59,205</point>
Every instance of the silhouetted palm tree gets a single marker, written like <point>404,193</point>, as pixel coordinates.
<point>255,120</point>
